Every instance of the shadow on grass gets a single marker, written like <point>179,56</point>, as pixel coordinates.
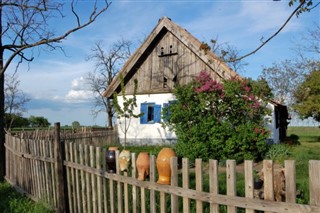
<point>292,140</point>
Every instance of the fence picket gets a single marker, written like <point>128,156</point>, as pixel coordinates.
<point>93,181</point>
<point>152,177</point>
<point>88,182</point>
<point>83,179</point>
<point>99,179</point>
<point>53,179</point>
<point>199,184</point>
<point>33,161</point>
<point>185,183</point>
<point>68,171</point>
<point>268,180</point>
<point>290,175</point>
<point>231,183</point>
<point>213,183</point>
<point>126,194</point>
<point>314,174</point>
<point>174,182</point>
<point>119,188</point>
<point>249,187</point>
<point>111,195</point>
<point>105,182</point>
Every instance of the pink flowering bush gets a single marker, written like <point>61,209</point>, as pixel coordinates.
<point>218,120</point>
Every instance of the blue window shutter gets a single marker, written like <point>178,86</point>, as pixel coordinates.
<point>144,110</point>
<point>157,113</point>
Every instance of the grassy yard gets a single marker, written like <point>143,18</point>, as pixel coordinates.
<point>13,202</point>
<point>309,149</point>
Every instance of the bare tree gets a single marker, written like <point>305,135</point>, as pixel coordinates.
<point>27,24</point>
<point>227,52</point>
<point>309,42</point>
<point>283,78</point>
<point>15,98</point>
<point>107,65</point>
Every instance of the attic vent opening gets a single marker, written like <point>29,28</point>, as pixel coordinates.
<point>167,51</point>
<point>165,80</point>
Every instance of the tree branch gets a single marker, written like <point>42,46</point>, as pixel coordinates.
<point>272,36</point>
<point>20,48</point>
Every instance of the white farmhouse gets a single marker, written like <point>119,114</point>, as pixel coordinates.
<point>171,55</point>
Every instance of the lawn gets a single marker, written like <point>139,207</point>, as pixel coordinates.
<point>309,149</point>
<point>13,202</point>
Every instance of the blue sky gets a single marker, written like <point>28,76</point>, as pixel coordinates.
<point>55,80</point>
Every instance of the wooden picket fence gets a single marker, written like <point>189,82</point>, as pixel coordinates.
<point>72,177</point>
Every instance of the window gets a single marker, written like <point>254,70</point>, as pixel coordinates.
<point>167,110</point>
<point>151,113</point>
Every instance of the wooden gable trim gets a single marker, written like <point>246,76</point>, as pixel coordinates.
<point>165,25</point>
<point>131,65</point>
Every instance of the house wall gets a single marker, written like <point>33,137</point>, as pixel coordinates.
<point>270,122</point>
<point>146,134</point>
<point>154,133</point>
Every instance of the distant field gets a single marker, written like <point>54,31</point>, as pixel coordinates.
<point>305,134</point>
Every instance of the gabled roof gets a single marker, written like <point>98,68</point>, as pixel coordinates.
<point>164,25</point>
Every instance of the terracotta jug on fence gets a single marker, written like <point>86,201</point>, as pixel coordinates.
<point>124,160</point>
<point>163,165</point>
<point>143,165</point>
<point>115,148</point>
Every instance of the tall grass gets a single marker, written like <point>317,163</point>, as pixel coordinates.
<point>13,202</point>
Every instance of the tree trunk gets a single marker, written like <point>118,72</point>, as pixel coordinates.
<point>2,134</point>
<point>109,112</point>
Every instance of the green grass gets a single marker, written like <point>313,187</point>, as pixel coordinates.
<point>309,149</point>
<point>13,202</point>
<point>305,134</point>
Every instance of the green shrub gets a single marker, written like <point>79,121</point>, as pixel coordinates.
<point>217,121</point>
<point>278,153</point>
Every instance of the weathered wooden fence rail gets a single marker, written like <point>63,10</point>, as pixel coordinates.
<point>87,187</point>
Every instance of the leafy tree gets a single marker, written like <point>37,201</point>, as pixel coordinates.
<point>75,124</point>
<point>125,110</point>
<point>38,121</point>
<point>261,88</point>
<point>308,96</point>
<point>107,65</point>
<point>218,121</point>
<point>283,77</point>
<point>15,121</point>
<point>15,100</point>
<point>25,25</point>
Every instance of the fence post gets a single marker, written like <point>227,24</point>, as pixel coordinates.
<point>59,170</point>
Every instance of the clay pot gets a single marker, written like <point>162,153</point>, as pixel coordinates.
<point>115,148</point>
<point>163,165</point>
<point>111,161</point>
<point>124,160</point>
<point>143,165</point>
<point>257,183</point>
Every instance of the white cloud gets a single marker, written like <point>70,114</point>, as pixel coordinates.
<point>55,80</point>
<point>266,16</point>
